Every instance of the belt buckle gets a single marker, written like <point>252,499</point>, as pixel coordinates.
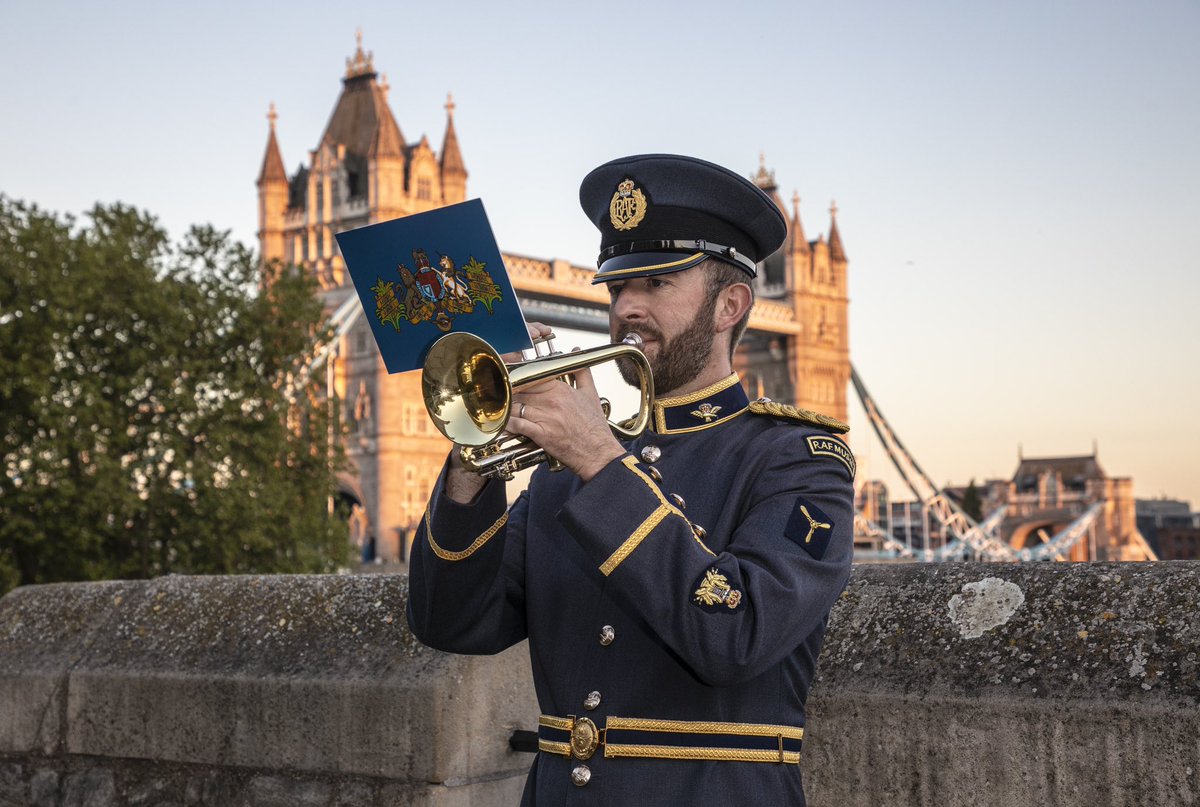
<point>585,737</point>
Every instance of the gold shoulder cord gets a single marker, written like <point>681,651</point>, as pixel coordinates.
<point>446,554</point>
<point>803,415</point>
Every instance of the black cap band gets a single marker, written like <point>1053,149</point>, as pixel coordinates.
<point>719,251</point>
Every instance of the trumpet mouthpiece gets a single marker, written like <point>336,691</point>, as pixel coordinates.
<point>634,339</point>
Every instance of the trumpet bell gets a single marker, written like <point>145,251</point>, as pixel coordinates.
<point>466,389</point>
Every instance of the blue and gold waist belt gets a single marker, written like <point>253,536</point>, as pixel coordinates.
<point>579,737</point>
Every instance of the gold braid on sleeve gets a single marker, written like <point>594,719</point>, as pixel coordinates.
<point>446,554</point>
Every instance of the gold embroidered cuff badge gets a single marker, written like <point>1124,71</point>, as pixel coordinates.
<point>714,590</point>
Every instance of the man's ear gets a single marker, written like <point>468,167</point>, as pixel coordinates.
<point>732,304</point>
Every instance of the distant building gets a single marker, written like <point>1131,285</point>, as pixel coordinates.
<point>909,524</point>
<point>1048,493</point>
<point>1179,543</point>
<point>1046,496</point>
<point>871,499</point>
<point>1170,527</point>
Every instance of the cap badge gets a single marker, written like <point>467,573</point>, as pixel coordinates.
<point>706,411</point>
<point>628,206</point>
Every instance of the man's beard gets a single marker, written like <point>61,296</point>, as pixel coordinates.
<point>679,360</point>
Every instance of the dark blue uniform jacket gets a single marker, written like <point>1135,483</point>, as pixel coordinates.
<point>682,618</point>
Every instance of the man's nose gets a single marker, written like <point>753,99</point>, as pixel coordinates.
<point>629,306</point>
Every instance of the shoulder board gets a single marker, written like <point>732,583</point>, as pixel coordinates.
<point>762,407</point>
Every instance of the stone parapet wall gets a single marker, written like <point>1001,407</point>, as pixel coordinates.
<point>987,684</point>
<point>966,684</point>
<point>256,691</point>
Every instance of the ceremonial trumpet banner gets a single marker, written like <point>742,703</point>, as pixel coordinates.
<point>429,274</point>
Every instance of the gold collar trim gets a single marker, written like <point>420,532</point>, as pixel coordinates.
<point>663,404</point>
<point>700,395</point>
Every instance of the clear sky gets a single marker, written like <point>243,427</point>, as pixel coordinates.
<point>1018,183</point>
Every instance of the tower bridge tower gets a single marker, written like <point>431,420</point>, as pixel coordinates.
<point>811,368</point>
<point>364,171</point>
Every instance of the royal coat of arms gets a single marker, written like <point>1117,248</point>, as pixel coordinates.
<point>421,276</point>
<point>426,292</point>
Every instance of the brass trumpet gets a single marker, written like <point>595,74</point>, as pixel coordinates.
<point>468,392</point>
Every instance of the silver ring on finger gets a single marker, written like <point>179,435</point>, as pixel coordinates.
<point>521,412</point>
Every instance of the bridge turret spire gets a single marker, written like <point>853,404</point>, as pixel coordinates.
<point>836,250</point>
<point>361,63</point>
<point>796,229</point>
<point>272,166</point>
<point>454,171</point>
<point>765,178</point>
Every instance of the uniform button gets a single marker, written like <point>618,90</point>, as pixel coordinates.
<point>679,502</point>
<point>581,775</point>
<point>651,453</point>
<point>607,634</point>
<point>592,700</point>
<point>653,473</point>
<point>699,531</point>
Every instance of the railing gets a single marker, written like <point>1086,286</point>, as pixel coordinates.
<point>520,267</point>
<point>772,311</point>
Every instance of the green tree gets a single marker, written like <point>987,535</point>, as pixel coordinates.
<point>153,413</point>
<point>972,505</point>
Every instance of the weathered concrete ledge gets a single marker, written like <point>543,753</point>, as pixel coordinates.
<point>1049,684</point>
<point>264,691</point>
<point>987,684</point>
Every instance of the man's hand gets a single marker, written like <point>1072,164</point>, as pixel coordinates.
<point>568,423</point>
<point>462,485</point>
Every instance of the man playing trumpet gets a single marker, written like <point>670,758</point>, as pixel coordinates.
<point>674,589</point>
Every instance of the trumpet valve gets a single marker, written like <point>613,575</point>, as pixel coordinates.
<point>543,346</point>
